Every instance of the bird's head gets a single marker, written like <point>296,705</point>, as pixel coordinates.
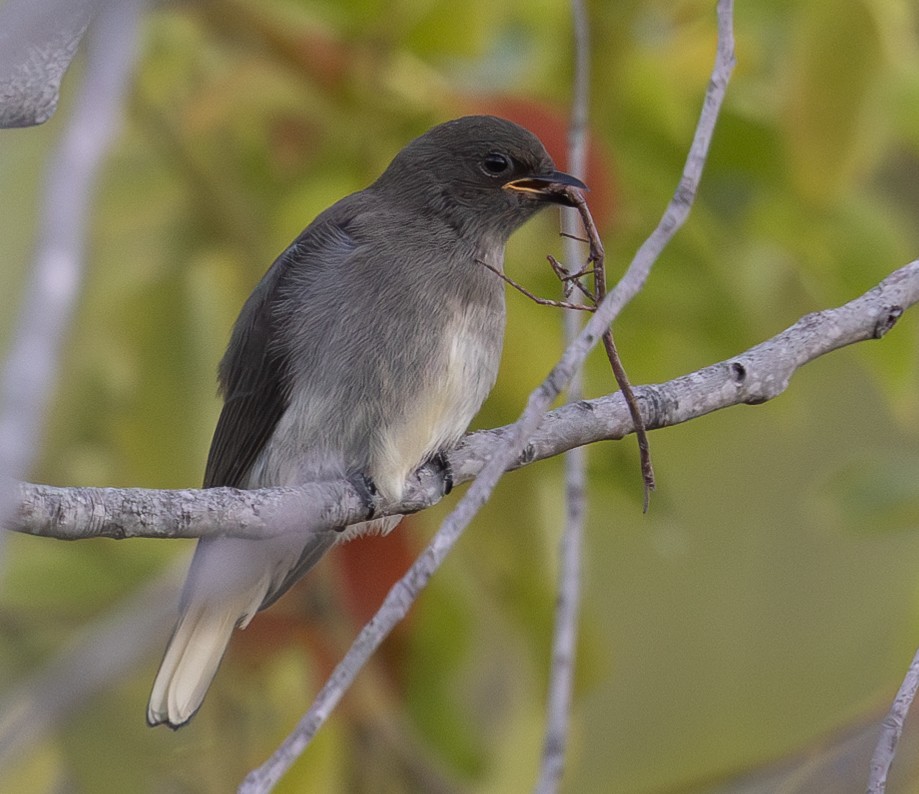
<point>480,174</point>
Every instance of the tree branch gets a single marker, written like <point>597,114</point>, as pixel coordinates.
<point>37,42</point>
<point>568,599</point>
<point>752,377</point>
<point>891,729</point>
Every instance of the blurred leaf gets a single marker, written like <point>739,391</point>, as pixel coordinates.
<point>441,646</point>
<point>872,492</point>
<point>833,69</point>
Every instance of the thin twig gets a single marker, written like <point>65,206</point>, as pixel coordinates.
<point>571,280</point>
<point>625,385</point>
<point>535,298</point>
<point>596,267</point>
<point>568,600</point>
<point>622,379</point>
<point>891,729</point>
<point>641,432</point>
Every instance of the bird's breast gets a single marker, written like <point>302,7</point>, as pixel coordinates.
<point>448,395</point>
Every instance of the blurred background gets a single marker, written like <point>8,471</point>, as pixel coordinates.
<point>747,634</point>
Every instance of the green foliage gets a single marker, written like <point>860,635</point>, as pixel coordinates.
<point>768,597</point>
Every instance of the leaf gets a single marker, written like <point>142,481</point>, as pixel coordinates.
<point>834,66</point>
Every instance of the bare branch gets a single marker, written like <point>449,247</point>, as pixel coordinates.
<point>38,39</point>
<point>753,377</point>
<point>567,605</point>
<point>891,729</point>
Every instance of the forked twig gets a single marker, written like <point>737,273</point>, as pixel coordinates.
<point>595,267</point>
<point>535,298</point>
<point>622,379</point>
<point>572,280</point>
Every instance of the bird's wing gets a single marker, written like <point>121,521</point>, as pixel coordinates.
<point>254,371</point>
<point>254,400</point>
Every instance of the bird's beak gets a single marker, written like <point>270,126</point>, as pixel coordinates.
<point>553,187</point>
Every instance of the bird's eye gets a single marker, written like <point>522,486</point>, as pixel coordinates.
<point>496,163</point>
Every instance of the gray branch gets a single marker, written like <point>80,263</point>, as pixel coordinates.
<point>565,633</point>
<point>891,730</point>
<point>568,599</point>
<point>38,40</point>
<point>755,376</point>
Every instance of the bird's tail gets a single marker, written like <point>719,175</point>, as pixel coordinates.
<point>229,581</point>
<point>192,657</point>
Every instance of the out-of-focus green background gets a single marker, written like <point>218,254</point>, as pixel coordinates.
<point>745,635</point>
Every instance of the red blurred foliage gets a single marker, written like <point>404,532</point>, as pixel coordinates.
<point>362,572</point>
<point>550,124</point>
<point>370,566</point>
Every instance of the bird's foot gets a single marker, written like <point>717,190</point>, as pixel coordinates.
<point>441,463</point>
<point>368,492</point>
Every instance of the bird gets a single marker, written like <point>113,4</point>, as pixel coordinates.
<point>364,352</point>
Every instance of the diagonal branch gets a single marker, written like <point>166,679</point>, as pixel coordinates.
<point>891,729</point>
<point>748,378</point>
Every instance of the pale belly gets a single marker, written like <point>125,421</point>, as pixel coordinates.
<point>440,412</point>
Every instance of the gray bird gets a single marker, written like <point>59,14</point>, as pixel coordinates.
<point>365,351</point>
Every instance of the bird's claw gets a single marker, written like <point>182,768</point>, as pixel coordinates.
<point>367,491</point>
<point>441,463</point>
